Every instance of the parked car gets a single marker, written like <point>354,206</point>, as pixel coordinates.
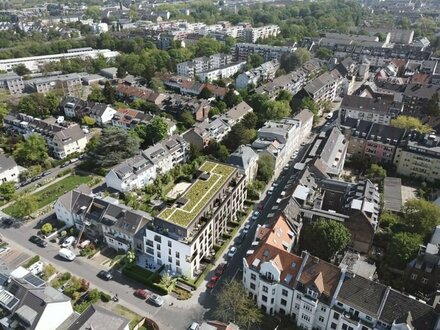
<point>270,191</point>
<point>156,300</point>
<point>66,254</point>
<point>255,215</point>
<point>220,269</point>
<point>212,282</point>
<point>68,242</point>
<point>232,252</point>
<point>246,228</point>
<point>7,221</point>
<point>105,275</point>
<point>46,173</point>
<point>240,238</point>
<point>194,326</point>
<point>141,293</point>
<point>73,160</point>
<point>329,116</point>
<point>278,200</point>
<point>65,164</point>
<point>38,241</point>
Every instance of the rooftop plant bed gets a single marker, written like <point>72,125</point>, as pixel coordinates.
<point>198,195</point>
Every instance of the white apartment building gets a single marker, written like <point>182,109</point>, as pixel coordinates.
<point>140,170</point>
<point>241,51</point>
<point>222,72</point>
<point>8,169</point>
<point>254,34</point>
<point>198,65</point>
<point>70,84</point>
<point>33,63</point>
<point>318,295</point>
<point>12,82</point>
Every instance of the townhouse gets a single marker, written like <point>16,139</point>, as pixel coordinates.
<point>222,72</point>
<point>246,160</point>
<point>62,141</point>
<point>376,110</point>
<point>126,118</point>
<point>371,140</point>
<point>69,84</point>
<point>9,171</point>
<point>279,139</point>
<point>241,51</point>
<point>318,295</point>
<point>12,82</point>
<point>184,233</point>
<point>142,169</point>
<point>73,107</point>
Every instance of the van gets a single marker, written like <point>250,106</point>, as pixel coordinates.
<point>278,200</point>
<point>283,193</point>
<point>66,254</point>
<point>270,191</point>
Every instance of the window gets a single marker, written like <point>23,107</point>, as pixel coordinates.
<point>285,293</point>
<point>368,318</point>
<point>170,259</point>
<point>333,326</point>
<point>177,255</point>
<point>296,306</point>
<point>169,251</point>
<point>336,316</point>
<point>364,327</point>
<point>252,286</point>
<point>424,280</point>
<point>323,309</point>
<point>265,289</point>
<point>177,262</point>
<point>305,317</point>
<point>264,298</point>
<point>308,308</point>
<point>321,319</point>
<point>298,296</point>
<point>312,293</point>
<point>158,246</point>
<point>283,302</point>
<point>273,291</point>
<point>253,277</point>
<point>158,254</point>
<point>170,244</point>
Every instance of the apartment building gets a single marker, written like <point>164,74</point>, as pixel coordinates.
<point>198,65</point>
<point>222,72</point>
<point>33,63</point>
<point>379,111</point>
<point>246,160</point>
<point>415,97</point>
<point>12,82</point>
<point>183,234</point>
<point>8,169</point>
<point>318,295</point>
<point>253,34</point>
<point>77,108</point>
<point>132,93</point>
<point>62,141</point>
<point>279,139</point>
<point>130,118</point>
<point>242,51</point>
<point>264,72</point>
<point>69,84</point>
<point>419,156</point>
<point>208,130</point>
<point>377,142</point>
<point>140,170</point>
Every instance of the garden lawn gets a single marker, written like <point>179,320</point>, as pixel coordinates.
<point>52,192</point>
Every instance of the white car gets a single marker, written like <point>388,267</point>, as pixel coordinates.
<point>232,252</point>
<point>329,116</point>
<point>66,254</point>
<point>68,242</point>
<point>246,228</point>
<point>194,326</point>
<point>255,215</point>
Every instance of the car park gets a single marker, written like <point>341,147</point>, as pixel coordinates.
<point>141,293</point>
<point>38,241</point>
<point>212,282</point>
<point>255,215</point>
<point>220,269</point>
<point>246,228</point>
<point>156,300</point>
<point>232,252</point>
<point>105,275</point>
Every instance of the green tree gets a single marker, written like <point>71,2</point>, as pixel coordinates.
<point>232,98</point>
<point>93,12</point>
<point>38,105</point>
<point>28,205</point>
<point>207,47</point>
<point>408,122</point>
<point>113,146</point>
<point>266,166</point>
<point>432,107</point>
<point>324,238</point>
<point>284,95</point>
<point>96,94</point>
<point>130,257</point>
<point>421,216</point>
<point>32,151</point>
<point>145,106</point>
<point>3,112</point>
<point>46,228</point>
<point>376,172</point>
<point>255,60</point>
<point>217,150</point>
<point>109,93</point>
<point>250,120</point>
<point>87,120</point>
<point>205,93</point>
<point>292,61</point>
<point>324,53</point>
<point>152,133</point>
<point>21,70</point>
<point>156,84</point>
<point>187,119</point>
<point>166,280</point>
<point>239,135</point>
<point>7,191</point>
<point>388,219</point>
<point>403,248</point>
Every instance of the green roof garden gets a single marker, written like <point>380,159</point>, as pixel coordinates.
<point>198,194</point>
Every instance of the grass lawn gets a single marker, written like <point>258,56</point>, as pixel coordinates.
<point>51,193</point>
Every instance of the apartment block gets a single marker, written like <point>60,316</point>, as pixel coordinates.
<point>419,156</point>
<point>222,72</point>
<point>62,141</point>
<point>246,160</point>
<point>183,234</point>
<point>318,295</point>
<point>253,34</point>
<point>12,82</point>
<point>370,109</point>
<point>264,72</point>
<point>193,68</point>
<point>77,108</point>
<point>415,97</point>
<point>69,84</point>
<point>241,51</point>
<point>140,170</point>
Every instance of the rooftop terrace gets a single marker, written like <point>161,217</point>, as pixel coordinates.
<point>198,194</point>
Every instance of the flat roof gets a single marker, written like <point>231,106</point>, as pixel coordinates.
<point>198,194</point>
<point>392,194</point>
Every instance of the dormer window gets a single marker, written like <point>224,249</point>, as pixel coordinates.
<point>269,276</point>
<point>312,293</point>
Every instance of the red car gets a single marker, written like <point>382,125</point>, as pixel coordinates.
<point>220,269</point>
<point>141,293</point>
<point>212,282</point>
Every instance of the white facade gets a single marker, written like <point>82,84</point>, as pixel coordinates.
<point>54,315</point>
<point>223,72</point>
<point>8,169</point>
<point>129,181</point>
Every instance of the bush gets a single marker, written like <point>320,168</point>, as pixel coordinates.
<point>145,277</point>
<point>31,261</point>
<point>48,271</point>
<point>105,297</point>
<point>46,228</point>
<point>66,276</point>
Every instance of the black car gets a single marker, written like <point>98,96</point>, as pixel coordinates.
<point>7,221</point>
<point>38,241</point>
<point>105,275</point>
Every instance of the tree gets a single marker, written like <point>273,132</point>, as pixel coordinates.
<point>232,98</point>
<point>239,135</point>
<point>235,305</point>
<point>187,119</point>
<point>7,191</point>
<point>46,228</point>
<point>28,205</point>
<point>96,95</point>
<point>93,12</point>
<point>89,121</point>
<point>113,146</point>
<point>421,216</point>
<point>156,84</point>
<point>291,61</point>
<point>3,112</point>
<point>21,70</point>
<point>376,172</point>
<point>145,106</point>
<point>255,60</point>
<point>324,53</point>
<point>205,93</point>
<point>284,95</point>
<point>325,238</point>
<point>32,151</point>
<point>38,105</point>
<point>408,122</point>
<point>207,46</point>
<point>166,280</point>
<point>109,93</point>
<point>266,166</point>
<point>217,150</point>
<point>249,120</point>
<point>152,133</point>
<point>432,107</point>
<point>403,248</point>
<point>130,257</point>
<point>388,219</point>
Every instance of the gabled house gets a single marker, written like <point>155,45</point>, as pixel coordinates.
<point>8,169</point>
<point>246,160</point>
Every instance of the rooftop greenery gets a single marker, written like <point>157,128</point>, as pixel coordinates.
<point>198,195</point>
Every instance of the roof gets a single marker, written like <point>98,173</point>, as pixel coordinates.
<point>237,113</point>
<point>242,157</point>
<point>304,116</point>
<point>392,194</point>
<point>70,134</point>
<point>198,194</point>
<point>316,84</point>
<point>142,93</point>
<point>98,318</point>
<point>6,163</point>
<point>375,105</point>
<point>421,91</point>
<point>362,294</point>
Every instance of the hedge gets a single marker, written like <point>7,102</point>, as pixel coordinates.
<point>31,261</point>
<point>145,277</point>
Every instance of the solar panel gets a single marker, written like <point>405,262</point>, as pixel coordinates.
<point>8,300</point>
<point>34,280</point>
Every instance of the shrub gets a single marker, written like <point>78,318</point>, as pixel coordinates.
<point>145,277</point>
<point>94,296</point>
<point>31,261</point>
<point>48,271</point>
<point>66,276</point>
<point>105,297</point>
